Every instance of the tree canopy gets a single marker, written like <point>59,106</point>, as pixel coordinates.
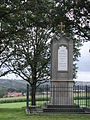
<point>28,26</point>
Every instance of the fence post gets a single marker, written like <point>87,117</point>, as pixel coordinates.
<point>86,95</point>
<point>78,94</point>
<point>53,94</point>
<point>47,94</point>
<point>43,93</point>
<point>27,97</point>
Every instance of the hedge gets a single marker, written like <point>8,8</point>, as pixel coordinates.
<point>21,100</point>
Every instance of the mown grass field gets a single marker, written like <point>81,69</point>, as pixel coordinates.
<point>16,111</point>
<point>19,102</point>
<point>19,114</point>
<point>13,105</point>
<point>39,103</point>
<point>83,103</point>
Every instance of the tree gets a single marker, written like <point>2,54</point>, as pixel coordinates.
<point>10,25</point>
<point>78,25</point>
<point>32,50</point>
<point>35,24</point>
<point>3,92</point>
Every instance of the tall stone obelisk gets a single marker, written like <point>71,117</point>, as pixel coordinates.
<point>62,71</point>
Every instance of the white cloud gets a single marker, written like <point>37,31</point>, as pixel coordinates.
<point>84,63</point>
<point>84,60</point>
<point>11,77</point>
<point>83,76</point>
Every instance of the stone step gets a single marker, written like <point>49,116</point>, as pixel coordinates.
<point>62,106</point>
<point>63,110</point>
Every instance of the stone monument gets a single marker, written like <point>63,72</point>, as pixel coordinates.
<point>62,75</point>
<point>62,71</point>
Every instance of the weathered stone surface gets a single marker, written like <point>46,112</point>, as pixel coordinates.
<point>62,72</point>
<point>62,93</point>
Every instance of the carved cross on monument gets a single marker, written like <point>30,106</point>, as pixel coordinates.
<point>61,26</point>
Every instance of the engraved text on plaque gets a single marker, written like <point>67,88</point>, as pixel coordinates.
<point>62,58</point>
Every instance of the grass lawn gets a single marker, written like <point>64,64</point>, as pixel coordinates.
<point>16,111</point>
<point>13,105</point>
<point>18,104</point>
<point>19,114</point>
<point>82,102</point>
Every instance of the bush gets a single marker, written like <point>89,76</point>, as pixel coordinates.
<point>81,98</point>
<point>3,92</point>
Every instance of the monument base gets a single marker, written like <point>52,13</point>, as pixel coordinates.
<point>62,93</point>
<point>63,108</point>
<point>62,99</point>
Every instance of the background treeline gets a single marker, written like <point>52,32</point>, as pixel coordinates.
<point>7,85</point>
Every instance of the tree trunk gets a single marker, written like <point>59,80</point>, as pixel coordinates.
<point>33,93</point>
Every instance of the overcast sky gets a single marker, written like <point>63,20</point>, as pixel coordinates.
<point>84,63</point>
<point>84,60</point>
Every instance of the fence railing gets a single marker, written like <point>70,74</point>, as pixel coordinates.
<point>82,96</point>
<point>79,94</point>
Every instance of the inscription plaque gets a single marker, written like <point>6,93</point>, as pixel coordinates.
<point>62,58</point>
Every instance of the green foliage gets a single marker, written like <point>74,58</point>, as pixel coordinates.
<point>12,100</point>
<point>21,99</point>
<point>3,92</point>
<point>76,54</point>
<point>13,85</point>
<point>27,27</point>
<point>81,98</point>
<point>30,24</point>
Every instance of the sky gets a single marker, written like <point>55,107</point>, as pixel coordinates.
<point>84,60</point>
<point>83,64</point>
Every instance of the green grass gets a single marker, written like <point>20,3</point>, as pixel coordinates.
<point>19,114</point>
<point>18,104</point>
<point>39,103</point>
<point>13,105</point>
<point>82,102</point>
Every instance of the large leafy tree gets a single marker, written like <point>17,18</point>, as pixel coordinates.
<point>27,28</point>
<point>11,20</point>
<point>77,25</point>
<point>30,49</point>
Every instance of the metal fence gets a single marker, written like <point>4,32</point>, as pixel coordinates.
<point>80,95</point>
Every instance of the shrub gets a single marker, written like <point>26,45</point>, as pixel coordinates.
<point>21,99</point>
